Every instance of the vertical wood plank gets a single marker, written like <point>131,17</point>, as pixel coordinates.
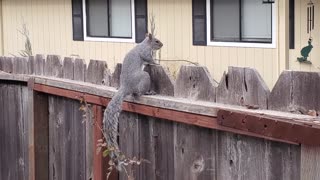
<point>31,130</point>
<point>95,72</point>
<point>68,68</point>
<point>36,64</point>
<point>80,69</point>
<point>20,65</point>
<point>22,93</point>
<point>57,141</point>
<point>2,130</point>
<point>53,66</point>
<point>310,159</point>
<point>243,86</point>
<point>196,83</point>
<point>115,78</point>
<point>14,145</point>
<point>6,153</point>
<point>194,157</point>
<point>58,115</point>
<point>78,129</point>
<point>6,64</point>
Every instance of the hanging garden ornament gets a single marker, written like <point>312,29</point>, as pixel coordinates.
<point>267,1</point>
<point>310,17</point>
<point>305,51</point>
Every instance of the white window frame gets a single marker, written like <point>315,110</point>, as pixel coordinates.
<point>88,38</point>
<point>242,44</point>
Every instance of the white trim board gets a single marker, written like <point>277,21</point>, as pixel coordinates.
<point>128,40</point>
<point>243,44</point>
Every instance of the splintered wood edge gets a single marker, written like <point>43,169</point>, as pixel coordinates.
<point>166,102</point>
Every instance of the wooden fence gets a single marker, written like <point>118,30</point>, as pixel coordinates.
<point>195,128</point>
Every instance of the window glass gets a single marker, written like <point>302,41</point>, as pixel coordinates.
<point>226,20</point>
<point>109,18</point>
<point>256,20</point>
<point>97,18</point>
<point>120,18</point>
<point>241,21</point>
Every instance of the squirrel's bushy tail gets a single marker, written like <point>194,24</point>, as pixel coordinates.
<point>110,122</point>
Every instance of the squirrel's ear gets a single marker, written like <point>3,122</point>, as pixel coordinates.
<point>150,36</point>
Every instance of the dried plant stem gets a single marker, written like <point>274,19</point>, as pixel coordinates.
<point>180,60</point>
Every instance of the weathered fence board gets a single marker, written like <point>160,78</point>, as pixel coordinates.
<point>194,157</point>
<point>115,78</point>
<point>96,72</point>
<point>19,65</point>
<point>39,148</point>
<point>36,64</point>
<point>310,162</point>
<point>53,66</point>
<point>197,82</point>
<point>14,130</point>
<point>298,92</point>
<point>244,87</point>
<point>6,64</point>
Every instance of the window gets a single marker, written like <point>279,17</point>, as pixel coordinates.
<point>109,20</point>
<point>244,23</point>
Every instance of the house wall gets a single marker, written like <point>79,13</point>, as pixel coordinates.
<point>1,29</point>
<point>301,37</point>
<point>50,26</point>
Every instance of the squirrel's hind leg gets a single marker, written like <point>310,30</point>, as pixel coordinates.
<point>143,84</point>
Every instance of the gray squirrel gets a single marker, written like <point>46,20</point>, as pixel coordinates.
<point>133,81</point>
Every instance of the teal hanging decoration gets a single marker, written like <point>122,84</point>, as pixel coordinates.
<point>305,51</point>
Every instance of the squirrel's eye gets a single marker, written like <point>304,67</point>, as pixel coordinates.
<point>157,41</point>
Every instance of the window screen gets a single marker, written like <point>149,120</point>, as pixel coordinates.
<point>241,21</point>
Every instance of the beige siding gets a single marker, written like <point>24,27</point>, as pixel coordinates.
<point>301,37</point>
<point>1,27</point>
<point>50,26</point>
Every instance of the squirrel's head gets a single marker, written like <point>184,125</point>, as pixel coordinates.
<point>155,43</point>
